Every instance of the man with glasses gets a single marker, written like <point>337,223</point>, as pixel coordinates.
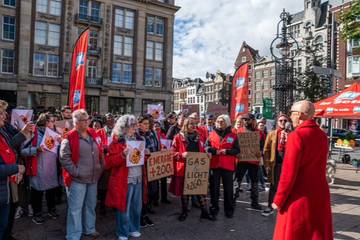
<point>81,156</point>
<point>274,150</point>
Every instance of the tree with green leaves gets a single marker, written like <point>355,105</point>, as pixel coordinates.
<point>350,23</point>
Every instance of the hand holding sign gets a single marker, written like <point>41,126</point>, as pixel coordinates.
<point>135,153</point>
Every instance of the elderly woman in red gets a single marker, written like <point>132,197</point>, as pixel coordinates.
<point>126,184</point>
<point>188,140</point>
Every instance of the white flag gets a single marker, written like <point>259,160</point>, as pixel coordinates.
<point>20,117</point>
<point>136,153</point>
<point>50,140</point>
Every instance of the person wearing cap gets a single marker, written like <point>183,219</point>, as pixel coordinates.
<point>210,125</point>
<point>274,150</point>
<point>223,145</point>
<point>175,129</point>
<point>252,167</point>
<point>168,122</point>
<point>303,197</point>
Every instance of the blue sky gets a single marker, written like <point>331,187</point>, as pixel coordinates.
<point>209,33</point>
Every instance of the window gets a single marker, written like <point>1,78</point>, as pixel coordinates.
<point>258,85</point>
<point>52,7</point>
<point>39,64</point>
<point>155,25</point>
<point>128,46</point>
<point>158,51</point>
<point>83,9</point>
<point>46,65</point>
<point>122,73</point>
<point>9,3</point>
<point>272,71</point>
<point>258,74</point>
<point>7,61</point>
<point>243,59</point>
<point>8,28</point>
<point>121,105</point>
<point>353,44</point>
<point>149,50</point>
<point>266,85</point>
<point>47,34</point>
<point>353,65</point>
<point>93,40</point>
<point>157,77</point>
<point>91,69</point>
<point>118,42</point>
<point>148,76</point>
<point>124,18</point>
<point>53,65</point>
<point>95,11</point>
<point>266,73</point>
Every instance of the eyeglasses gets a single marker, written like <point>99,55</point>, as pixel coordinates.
<point>84,120</point>
<point>282,120</point>
<point>245,119</point>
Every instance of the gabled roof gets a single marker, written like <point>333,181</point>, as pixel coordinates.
<point>254,53</point>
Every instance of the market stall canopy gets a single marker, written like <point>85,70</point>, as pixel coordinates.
<point>345,104</point>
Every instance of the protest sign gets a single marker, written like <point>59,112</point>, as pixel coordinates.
<point>156,111</point>
<point>196,174</point>
<point>249,143</point>
<point>63,127</point>
<point>165,143</point>
<point>50,140</point>
<point>136,154</point>
<point>20,117</point>
<point>160,165</point>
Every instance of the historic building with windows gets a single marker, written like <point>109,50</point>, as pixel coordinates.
<point>129,54</point>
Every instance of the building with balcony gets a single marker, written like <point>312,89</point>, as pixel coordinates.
<point>129,54</point>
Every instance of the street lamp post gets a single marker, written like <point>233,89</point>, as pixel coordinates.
<point>280,49</point>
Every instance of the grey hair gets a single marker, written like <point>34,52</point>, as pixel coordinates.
<point>226,118</point>
<point>79,114</point>
<point>123,124</point>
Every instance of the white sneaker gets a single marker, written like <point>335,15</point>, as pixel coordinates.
<point>135,234</point>
<point>18,213</point>
<point>30,211</point>
<point>122,238</point>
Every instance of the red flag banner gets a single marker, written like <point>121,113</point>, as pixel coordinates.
<point>78,71</point>
<point>240,92</point>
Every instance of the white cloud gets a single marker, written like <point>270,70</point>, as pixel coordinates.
<point>209,33</point>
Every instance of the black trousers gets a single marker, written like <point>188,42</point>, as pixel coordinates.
<point>11,216</point>
<point>185,202</point>
<point>253,171</point>
<point>216,175</point>
<point>274,185</point>
<point>36,200</point>
<point>164,190</point>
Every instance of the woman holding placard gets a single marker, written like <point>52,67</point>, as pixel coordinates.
<point>41,154</point>
<point>188,140</point>
<point>127,182</point>
<point>222,144</point>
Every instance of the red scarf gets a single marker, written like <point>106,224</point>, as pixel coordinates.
<point>31,162</point>
<point>74,141</point>
<point>281,139</point>
<point>7,153</point>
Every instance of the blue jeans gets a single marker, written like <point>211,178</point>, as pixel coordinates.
<point>129,221</point>
<point>81,210</point>
<point>4,217</point>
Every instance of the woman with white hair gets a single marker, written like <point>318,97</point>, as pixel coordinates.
<point>127,185</point>
<point>223,145</point>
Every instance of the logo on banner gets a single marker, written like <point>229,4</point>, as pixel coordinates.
<point>356,109</point>
<point>240,108</point>
<point>80,60</point>
<point>77,96</point>
<point>330,110</point>
<point>348,96</point>
<point>240,82</point>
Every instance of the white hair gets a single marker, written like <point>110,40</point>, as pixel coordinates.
<point>123,124</point>
<point>226,118</point>
<point>78,115</point>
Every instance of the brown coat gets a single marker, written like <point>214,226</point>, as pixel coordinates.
<point>270,149</point>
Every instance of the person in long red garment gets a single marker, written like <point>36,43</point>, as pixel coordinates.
<point>303,196</point>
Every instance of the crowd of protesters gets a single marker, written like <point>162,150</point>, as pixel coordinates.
<point>90,168</point>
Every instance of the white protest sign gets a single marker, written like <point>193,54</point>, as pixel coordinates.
<point>136,154</point>
<point>20,117</point>
<point>50,140</point>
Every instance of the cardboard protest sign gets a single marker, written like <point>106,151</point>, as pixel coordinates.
<point>50,140</point>
<point>63,127</point>
<point>249,143</point>
<point>160,165</point>
<point>20,117</point>
<point>136,153</point>
<point>166,143</point>
<point>196,174</point>
<point>188,109</point>
<point>156,110</point>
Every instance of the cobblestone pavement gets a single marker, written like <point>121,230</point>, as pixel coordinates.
<point>245,225</point>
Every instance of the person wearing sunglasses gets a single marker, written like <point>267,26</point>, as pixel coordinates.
<point>274,151</point>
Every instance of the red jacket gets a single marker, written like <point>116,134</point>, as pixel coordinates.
<point>103,136</point>
<point>118,181</point>
<point>227,162</point>
<point>179,147</point>
<point>203,133</point>
<point>303,196</point>
<point>31,162</point>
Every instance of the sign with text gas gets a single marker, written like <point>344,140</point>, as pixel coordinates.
<point>160,165</point>
<point>196,174</point>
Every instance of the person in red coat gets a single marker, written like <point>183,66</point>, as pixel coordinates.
<point>303,196</point>
<point>223,145</point>
<point>188,140</point>
<point>127,185</point>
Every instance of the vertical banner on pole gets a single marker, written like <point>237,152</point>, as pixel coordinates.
<point>78,71</point>
<point>240,92</point>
